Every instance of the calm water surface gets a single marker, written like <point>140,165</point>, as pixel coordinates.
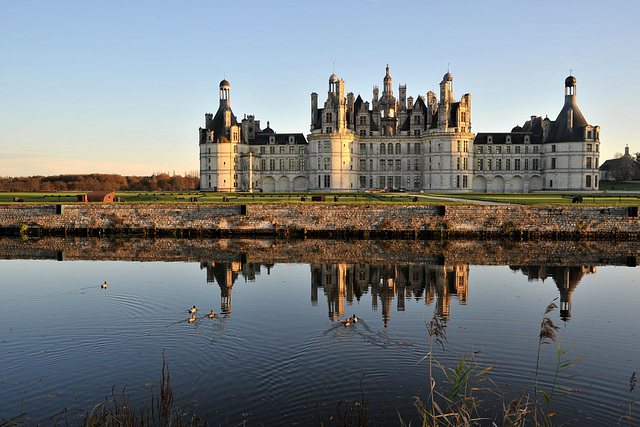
<point>276,347</point>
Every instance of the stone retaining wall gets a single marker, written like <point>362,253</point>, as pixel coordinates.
<point>424,221</point>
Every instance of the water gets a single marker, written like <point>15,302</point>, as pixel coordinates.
<point>277,352</point>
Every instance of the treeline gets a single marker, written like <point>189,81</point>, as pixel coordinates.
<point>101,182</point>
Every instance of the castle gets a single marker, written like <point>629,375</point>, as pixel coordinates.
<point>422,144</point>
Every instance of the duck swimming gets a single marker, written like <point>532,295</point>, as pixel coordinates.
<point>192,310</point>
<point>354,318</point>
<point>211,314</point>
<point>192,318</point>
<point>104,285</point>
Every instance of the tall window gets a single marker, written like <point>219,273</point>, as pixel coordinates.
<point>281,164</point>
<point>588,180</point>
<point>516,164</point>
<point>272,164</point>
<point>398,164</point>
<point>553,162</point>
<point>327,163</point>
<point>588,166</point>
<point>498,164</point>
<point>302,164</point>
<point>292,164</point>
<point>383,165</point>
<point>398,148</point>
<point>327,181</point>
<point>390,148</point>
<point>383,148</point>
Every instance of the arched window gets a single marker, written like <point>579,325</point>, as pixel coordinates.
<point>398,149</point>
<point>390,148</point>
<point>382,148</point>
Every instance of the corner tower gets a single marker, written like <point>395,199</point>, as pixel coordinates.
<point>220,146</point>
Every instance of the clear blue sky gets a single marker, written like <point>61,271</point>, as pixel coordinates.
<point>122,86</point>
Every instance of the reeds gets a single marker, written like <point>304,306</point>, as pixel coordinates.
<point>161,411</point>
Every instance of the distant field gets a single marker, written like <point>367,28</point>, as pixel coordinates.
<point>609,198</point>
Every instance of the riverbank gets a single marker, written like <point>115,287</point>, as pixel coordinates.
<point>323,220</point>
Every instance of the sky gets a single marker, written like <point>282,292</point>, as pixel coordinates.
<point>122,86</point>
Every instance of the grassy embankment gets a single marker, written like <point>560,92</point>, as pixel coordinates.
<point>622,194</point>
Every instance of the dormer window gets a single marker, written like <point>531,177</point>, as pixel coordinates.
<point>508,139</point>
<point>526,139</point>
<point>490,139</point>
<point>272,140</point>
<point>291,139</point>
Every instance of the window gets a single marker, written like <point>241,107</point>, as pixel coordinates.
<point>272,150</point>
<point>588,165</point>
<point>292,150</point>
<point>553,162</point>
<point>526,149</point>
<point>535,164</point>
<point>383,149</point>
<point>329,117</point>
<point>488,164</point>
<point>282,148</point>
<point>516,164</point>
<point>517,149</point>
<point>498,164</point>
<point>381,182</point>
<point>398,164</point>
<point>488,150</point>
<point>292,164</point>
<point>459,146</point>
<point>508,149</point>
<point>417,148</point>
<point>458,181</point>
<point>363,148</point>
<point>589,147</point>
<point>480,149</point>
<point>263,164</point>
<point>416,164</point>
<point>363,164</point>
<point>480,164</point>
<point>302,164</point>
<point>328,129</point>
<point>535,149</point>
<point>416,132</point>
<point>465,162</point>
<point>507,165</point>
<point>498,149</point>
<point>363,132</point>
<point>526,164</point>
<point>458,163</point>
<point>327,163</point>
<point>363,181</point>
<point>327,181</point>
<point>281,164</point>
<point>319,146</point>
<point>370,164</point>
<point>408,164</point>
<point>383,165</point>
<point>589,179</point>
<point>327,146</point>
<point>465,146</point>
<point>302,150</point>
<point>550,183</point>
<point>416,181</point>
<point>390,165</point>
<point>272,164</point>
<point>363,120</point>
<point>390,148</point>
<point>398,148</point>
<point>553,149</point>
<point>464,181</point>
<point>262,150</point>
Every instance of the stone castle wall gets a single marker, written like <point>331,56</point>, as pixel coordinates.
<point>323,220</point>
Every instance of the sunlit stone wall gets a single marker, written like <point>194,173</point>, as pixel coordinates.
<point>447,221</point>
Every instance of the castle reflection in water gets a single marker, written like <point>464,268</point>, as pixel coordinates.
<point>390,284</point>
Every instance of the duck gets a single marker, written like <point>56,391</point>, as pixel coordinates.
<point>354,318</point>
<point>104,285</point>
<point>347,322</point>
<point>192,318</point>
<point>211,314</point>
<point>192,309</point>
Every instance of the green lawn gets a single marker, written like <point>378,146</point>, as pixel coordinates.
<point>610,198</point>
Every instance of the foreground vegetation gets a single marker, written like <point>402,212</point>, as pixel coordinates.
<point>463,400</point>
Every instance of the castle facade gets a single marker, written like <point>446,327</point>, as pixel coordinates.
<point>404,143</point>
